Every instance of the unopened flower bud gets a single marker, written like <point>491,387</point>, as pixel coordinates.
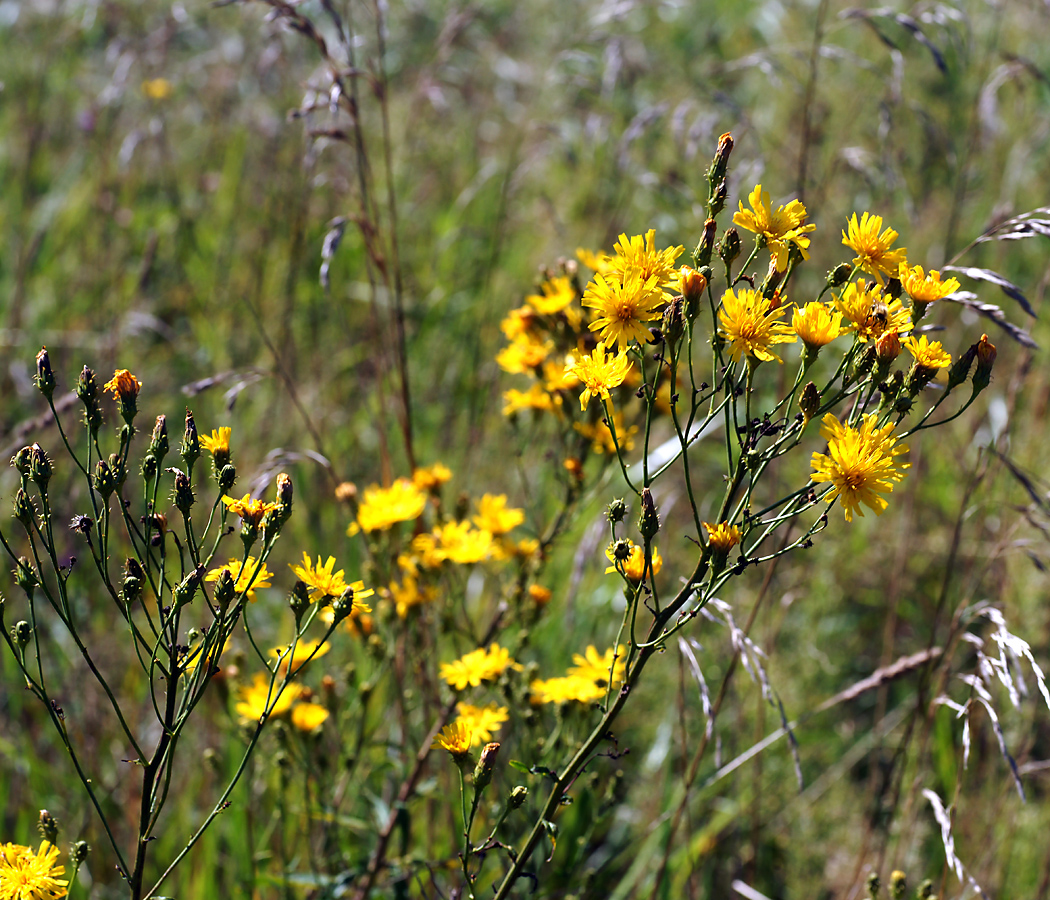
<point>903,405</point>
<point>673,322</point>
<point>191,446</point>
<point>692,285</point>
<point>517,796</point>
<point>227,477</point>
<point>898,884</point>
<point>888,346</point>
<point>299,601</point>
<point>87,391</point>
<point>149,467</point>
<point>80,852</point>
<point>47,825</point>
<point>839,275</point>
<point>986,354</point>
<point>960,369</point>
<point>874,885</point>
<point>25,577</point>
<point>158,444</point>
<point>891,388</point>
<point>285,493</point>
<point>21,632</point>
<point>45,378</point>
<point>182,493</point>
<point>343,605</point>
<point>717,173</point>
<point>483,770</point>
<point>25,511</point>
<point>648,521</point>
<point>704,249</point>
<point>40,466</point>
<point>717,201</point>
<point>616,511</point>
<point>346,492</point>
<point>809,401</point>
<point>224,590</point>
<point>925,891</point>
<point>621,550</point>
<point>184,591</point>
<point>22,461</point>
<point>131,589</point>
<point>104,482</point>
<point>729,246</point>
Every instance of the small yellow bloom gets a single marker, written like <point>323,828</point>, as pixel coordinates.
<point>601,436</point>
<point>25,875</point>
<point>218,442</point>
<point>873,251</point>
<point>639,252</point>
<point>599,372</point>
<point>520,322</point>
<point>322,580</point>
<point>157,88</point>
<point>523,355</point>
<point>248,509</point>
<point>260,698</point>
<point>432,477</point>
<point>781,227</point>
<point>929,356</point>
<point>408,594</point>
<point>308,716</point>
<point>596,667</point>
<point>748,322</point>
<point>481,721</point>
<point>860,464</point>
<point>722,537</point>
<point>557,294</point>
<point>924,288</point>
<point>295,660</point>
<point>384,507</point>
<point>870,312</point>
<point>454,542</point>
<point>566,689</point>
<point>477,666</point>
<point>624,306</point>
<point>455,738</point>
<point>247,575</point>
<point>534,398</point>
<point>817,324</point>
<point>539,594</point>
<point>494,516</point>
<point>634,565</point>
<point>600,263</point>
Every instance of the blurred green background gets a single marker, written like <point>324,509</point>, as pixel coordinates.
<point>176,227</point>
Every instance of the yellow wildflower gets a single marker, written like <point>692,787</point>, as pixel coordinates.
<point>634,565</point>
<point>869,312</point>
<point>384,507</point>
<point>523,355</point>
<point>494,517</point>
<point>295,660</point>
<point>599,372</point>
<point>781,227</point>
<point>408,594</point>
<point>623,306</point>
<point>596,668</point>
<point>308,716</point>
<point>601,262</point>
<point>557,294</point>
<point>478,666</point>
<point>873,251</point>
<point>455,542</point>
<point>534,398</point>
<point>25,875</point>
<point>261,698</point>
<point>924,288</point>
<point>722,537</point>
<point>566,689</point>
<point>817,324</point>
<point>601,437</point>
<point>556,377</point>
<point>218,442</point>
<point>248,509</point>
<point>520,322</point>
<point>860,464</point>
<point>247,575</point>
<point>539,594</point>
<point>928,354</point>
<point>432,477</point>
<point>157,88</point>
<point>455,738</point>
<point>481,721</point>
<point>748,322</point>
<point>322,580</point>
<point>640,252</point>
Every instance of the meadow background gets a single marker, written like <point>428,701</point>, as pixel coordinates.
<point>176,229</point>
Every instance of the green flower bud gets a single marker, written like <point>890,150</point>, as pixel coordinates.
<point>483,769</point>
<point>517,796</point>
<point>299,601</point>
<point>25,577</point>
<point>648,521</point>
<point>104,481</point>
<point>47,825</point>
<point>616,511</point>
<point>227,477</point>
<point>224,590</point>
<point>79,853</point>
<point>839,275</point>
<point>45,378</point>
<point>729,246</point>
<point>87,391</point>
<point>809,401</point>
<point>706,246</point>
<point>25,511</point>
<point>40,467</point>
<point>22,632</point>
<point>22,461</point>
<point>158,444</point>
<point>182,492</point>
<point>191,446</point>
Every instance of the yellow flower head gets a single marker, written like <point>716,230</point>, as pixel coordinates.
<point>860,464</point>
<point>751,327</point>
<point>157,88</point>
<point>123,385</point>
<point>260,698</point>
<point>781,227</point>
<point>357,621</point>
<point>305,651</point>
<point>478,666</point>
<point>924,288</point>
<point>382,508</point>
<point>25,875</point>
<point>557,294</point>
<point>409,594</point>
<point>566,689</point>
<point>640,253</point>
<point>599,372</point>
<point>634,565</point>
<point>870,312</point>
<point>873,251</point>
<point>539,594</point>
<point>534,398</point>
<point>455,738</point>
<point>481,721</point>
<point>817,324</point>
<point>247,575</point>
<point>248,509</point>
<point>455,542</point>
<point>600,263</point>
<point>556,377</point>
<point>624,304</point>
<point>523,355</point>
<point>494,517</point>
<point>308,716</point>
<point>519,322</point>
<point>322,580</point>
<point>432,477</point>
<point>722,537</point>
<point>218,442</point>
<point>596,667</point>
<point>928,355</point>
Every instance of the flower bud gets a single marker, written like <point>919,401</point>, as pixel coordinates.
<point>960,369</point>
<point>25,577</point>
<point>894,288</point>
<point>717,201</point>
<point>22,461</point>
<point>346,492</point>
<point>79,853</point>
<point>648,521</point>
<point>729,246</point>
<point>149,467</point>
<point>986,354</point>
<point>717,173</point>
<point>343,605</point>
<point>184,591</point>
<point>40,466</point>
<point>182,493</point>
<point>125,387</point>
<point>87,391</point>
<point>104,482</point>
<point>898,884</point>
<point>158,444</point>
<point>621,550</point>
<point>284,501</point>
<point>224,590</point>
<point>874,885</point>
<point>673,323</point>
<point>22,632</point>
<point>45,378</point>
<point>25,511</point>
<point>692,285</point>
<point>227,477</point>
<point>191,447</point>
<point>839,275</point>
<point>483,770</point>
<point>888,346</point>
<point>47,825</point>
<point>299,601</point>
<point>616,511</point>
<point>704,249</point>
<point>517,796</point>
<point>809,401</point>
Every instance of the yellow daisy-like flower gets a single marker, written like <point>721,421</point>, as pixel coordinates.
<point>218,441</point>
<point>248,509</point>
<point>408,594</point>
<point>454,542</point>
<point>557,378</point>
<point>308,716</point>
<point>557,294</point>
<point>624,304</point>
<point>817,324</point>
<point>259,698</point>
<point>928,354</point>
<point>600,263</point>
<point>322,580</point>
<point>247,576</point>
<point>304,651</point>
<point>429,478</point>
<point>520,322</point>
<point>123,385</point>
<point>599,372</point>
<point>383,508</point>
<point>923,288</point>
<point>455,738</point>
<point>534,398</point>
<point>873,251</point>
<point>601,437</point>
<point>870,313</point>
<point>596,667</point>
<point>640,252</point>
<point>751,327</point>
<point>25,875</point>
<point>634,565</point>
<point>523,355</point>
<point>781,227</point>
<point>478,666</point>
<point>722,537</point>
<point>860,464</point>
<point>481,721</point>
<point>566,689</point>
<point>357,621</point>
<point>494,517</point>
